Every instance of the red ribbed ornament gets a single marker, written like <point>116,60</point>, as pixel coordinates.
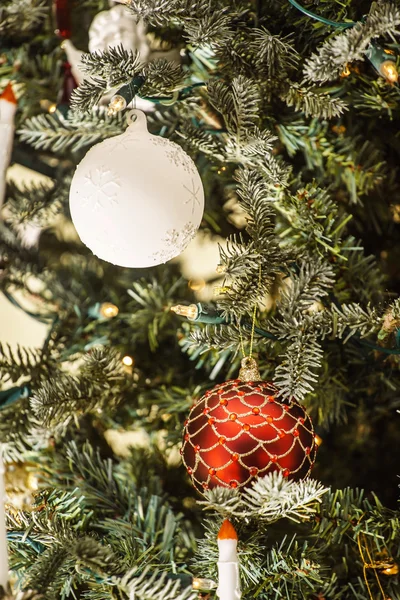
<point>240,430</point>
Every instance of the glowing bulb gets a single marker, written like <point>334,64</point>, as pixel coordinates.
<point>190,312</point>
<point>196,284</point>
<point>52,108</point>
<point>200,583</point>
<point>346,72</point>
<point>117,103</point>
<point>127,361</point>
<point>389,71</point>
<point>108,310</point>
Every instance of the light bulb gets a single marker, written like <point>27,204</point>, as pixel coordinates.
<point>190,312</point>
<point>201,583</point>
<point>117,103</point>
<point>196,284</point>
<point>108,310</point>
<point>52,108</point>
<point>127,361</point>
<point>389,71</point>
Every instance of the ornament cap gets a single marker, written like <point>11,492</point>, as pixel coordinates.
<point>249,370</point>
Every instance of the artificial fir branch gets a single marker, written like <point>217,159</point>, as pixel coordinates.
<point>71,132</point>
<point>314,103</point>
<point>329,62</point>
<point>21,16</point>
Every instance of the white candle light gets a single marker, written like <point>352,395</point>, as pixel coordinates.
<point>228,564</point>
<point>8,106</point>
<point>3,531</point>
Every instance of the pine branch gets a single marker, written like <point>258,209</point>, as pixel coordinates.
<point>161,77</point>
<point>352,319</point>
<point>275,56</point>
<point>238,103</point>
<point>58,133</point>
<point>37,204</point>
<point>315,104</point>
<point>352,44</point>
<point>156,12</point>
<point>99,385</point>
<point>88,94</point>
<point>21,16</point>
<point>154,586</point>
<point>202,141</point>
<point>269,499</point>
<point>313,282</point>
<point>114,65</point>
<point>204,22</point>
<point>295,376</point>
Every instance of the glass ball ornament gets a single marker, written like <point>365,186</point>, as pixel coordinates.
<point>136,199</point>
<point>241,430</point>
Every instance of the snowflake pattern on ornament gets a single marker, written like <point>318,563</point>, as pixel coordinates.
<point>193,195</point>
<point>102,186</point>
<point>174,243</point>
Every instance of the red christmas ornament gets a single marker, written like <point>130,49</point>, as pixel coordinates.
<point>62,13</point>
<point>240,430</point>
<point>69,84</point>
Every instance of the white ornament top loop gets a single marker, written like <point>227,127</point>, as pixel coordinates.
<point>137,118</point>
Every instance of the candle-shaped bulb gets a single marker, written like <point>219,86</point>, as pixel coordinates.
<point>389,71</point>
<point>228,564</point>
<point>8,107</point>
<point>190,312</point>
<point>117,104</point>
<point>108,310</point>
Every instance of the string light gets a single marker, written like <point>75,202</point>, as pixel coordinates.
<point>117,103</point>
<point>108,310</point>
<point>190,312</point>
<point>389,71</point>
<point>127,361</point>
<point>48,105</point>
<point>196,284</point>
<point>200,583</point>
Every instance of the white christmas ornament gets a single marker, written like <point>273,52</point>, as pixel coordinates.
<point>136,199</point>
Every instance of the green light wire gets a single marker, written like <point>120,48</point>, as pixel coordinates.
<point>305,11</point>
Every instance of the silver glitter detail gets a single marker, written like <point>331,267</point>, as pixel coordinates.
<point>175,153</point>
<point>174,243</point>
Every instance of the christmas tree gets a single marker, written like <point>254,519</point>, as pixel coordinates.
<point>290,113</point>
